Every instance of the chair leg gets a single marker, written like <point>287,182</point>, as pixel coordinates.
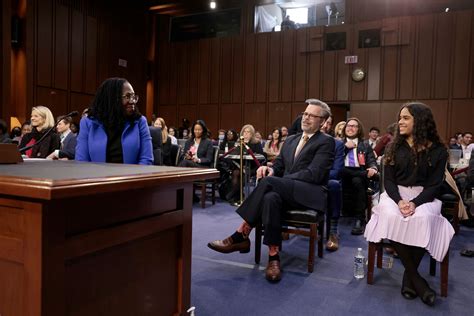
<point>432,266</point>
<point>370,264</point>
<point>312,238</point>
<point>203,195</point>
<point>379,254</point>
<point>320,239</point>
<point>258,243</point>
<point>456,222</point>
<point>213,194</point>
<point>444,275</point>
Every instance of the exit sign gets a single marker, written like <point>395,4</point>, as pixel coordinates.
<point>350,59</point>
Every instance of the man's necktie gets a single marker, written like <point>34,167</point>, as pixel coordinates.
<point>301,145</point>
<point>351,158</point>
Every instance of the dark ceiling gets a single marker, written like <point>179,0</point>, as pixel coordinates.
<point>187,7</point>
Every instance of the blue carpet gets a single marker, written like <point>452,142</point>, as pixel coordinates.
<point>231,284</point>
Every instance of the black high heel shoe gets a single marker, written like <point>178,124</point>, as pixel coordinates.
<point>429,297</point>
<point>407,289</point>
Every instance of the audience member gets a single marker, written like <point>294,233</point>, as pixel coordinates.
<point>373,136</point>
<point>41,121</point>
<point>166,141</point>
<point>67,149</point>
<point>334,190</point>
<point>272,148</point>
<point>408,213</point>
<point>4,137</point>
<point>184,129</point>
<point>466,145</point>
<point>296,180</point>
<point>284,133</point>
<point>160,122</point>
<point>198,149</point>
<point>259,138</point>
<point>453,143</point>
<point>229,141</point>
<point>157,144</point>
<point>288,24</point>
<point>74,128</point>
<point>15,135</point>
<point>172,132</point>
<point>296,126</point>
<point>339,130</point>
<point>114,130</point>
<point>360,165</point>
<point>385,139</point>
<point>220,136</point>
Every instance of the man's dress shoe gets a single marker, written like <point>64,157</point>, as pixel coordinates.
<point>333,243</point>
<point>227,245</point>
<point>273,271</point>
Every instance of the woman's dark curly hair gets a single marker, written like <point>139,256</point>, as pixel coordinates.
<point>204,129</point>
<point>279,135</point>
<point>107,104</point>
<point>424,131</point>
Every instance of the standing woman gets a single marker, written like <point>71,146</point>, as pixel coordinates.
<point>272,148</point>
<point>41,121</point>
<point>408,213</point>
<point>198,149</point>
<point>114,130</point>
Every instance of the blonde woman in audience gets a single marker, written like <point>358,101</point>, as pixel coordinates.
<point>272,148</point>
<point>160,122</point>
<point>41,121</point>
<point>339,129</point>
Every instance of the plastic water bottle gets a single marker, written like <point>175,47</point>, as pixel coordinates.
<point>359,259</point>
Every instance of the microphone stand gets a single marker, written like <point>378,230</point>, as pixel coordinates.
<point>241,170</point>
<point>49,131</point>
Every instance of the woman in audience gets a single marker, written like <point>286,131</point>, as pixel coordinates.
<point>166,140</point>
<point>114,130</point>
<point>198,149</point>
<point>272,148</point>
<point>41,121</point>
<point>160,122</point>
<point>251,146</point>
<point>339,130</point>
<point>172,132</point>
<point>408,213</point>
<point>229,141</point>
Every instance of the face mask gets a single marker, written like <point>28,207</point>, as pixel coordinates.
<point>221,137</point>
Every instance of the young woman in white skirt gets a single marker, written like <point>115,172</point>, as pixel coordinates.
<point>408,214</point>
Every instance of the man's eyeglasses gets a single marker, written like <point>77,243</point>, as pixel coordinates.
<point>311,116</point>
<point>130,97</point>
<point>352,126</point>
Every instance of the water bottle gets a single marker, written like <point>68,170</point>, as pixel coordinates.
<point>359,259</point>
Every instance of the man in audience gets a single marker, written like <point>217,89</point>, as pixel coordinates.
<point>360,165</point>
<point>373,135</point>
<point>297,179</point>
<point>334,190</point>
<point>4,137</point>
<point>296,126</point>
<point>284,133</point>
<point>68,141</point>
<point>466,145</point>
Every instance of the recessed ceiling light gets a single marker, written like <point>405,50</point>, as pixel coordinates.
<point>212,5</point>
<point>446,10</point>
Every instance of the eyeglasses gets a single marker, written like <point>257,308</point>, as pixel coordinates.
<point>130,97</point>
<point>352,126</point>
<point>311,116</point>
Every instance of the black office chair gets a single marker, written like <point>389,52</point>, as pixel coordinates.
<point>208,187</point>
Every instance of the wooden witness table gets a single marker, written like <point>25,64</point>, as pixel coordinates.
<point>95,239</point>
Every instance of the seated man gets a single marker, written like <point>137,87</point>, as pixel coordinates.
<point>334,190</point>
<point>68,141</point>
<point>296,180</point>
<point>359,166</point>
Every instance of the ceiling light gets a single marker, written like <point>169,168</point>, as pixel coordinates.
<point>446,10</point>
<point>212,4</point>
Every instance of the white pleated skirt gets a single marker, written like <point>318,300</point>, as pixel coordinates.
<point>426,228</point>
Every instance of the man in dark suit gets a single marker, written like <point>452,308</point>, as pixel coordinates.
<point>297,179</point>
<point>360,165</point>
<point>68,141</point>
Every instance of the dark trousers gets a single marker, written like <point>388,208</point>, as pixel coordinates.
<point>355,187</point>
<point>334,199</point>
<point>267,204</point>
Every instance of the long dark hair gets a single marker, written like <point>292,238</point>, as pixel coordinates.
<point>204,129</point>
<point>424,131</point>
<point>107,104</point>
<point>279,136</point>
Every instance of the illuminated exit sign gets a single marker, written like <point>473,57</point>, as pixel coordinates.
<point>350,59</point>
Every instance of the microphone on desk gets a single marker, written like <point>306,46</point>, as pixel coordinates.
<point>72,114</point>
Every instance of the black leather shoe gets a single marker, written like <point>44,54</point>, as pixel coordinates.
<point>407,290</point>
<point>429,297</point>
<point>358,228</point>
<point>273,271</point>
<point>227,245</point>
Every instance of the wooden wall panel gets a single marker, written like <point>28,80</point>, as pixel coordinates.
<point>55,100</point>
<point>407,71</point>
<point>274,63</point>
<point>343,76</point>
<point>226,70</point>
<point>61,47</point>
<point>424,56</point>
<point>77,51</point>
<point>462,112</point>
<point>369,113</point>
<point>261,67</point>
<point>287,64</point>
<point>170,114</point>
<point>358,89</point>
<point>79,102</point>
<point>315,75</point>
<point>215,70</point>
<point>279,114</point>
<point>182,50</point>
<point>296,109</point>
<point>204,74</point>
<point>373,74</point>
<point>300,82</point>
<point>255,114</point>
<point>441,115</point>
<point>163,72</point>
<point>189,112</point>
<point>210,114</point>
<point>231,116</point>
<point>443,49</point>
<point>249,70</point>
<point>462,54</point>
<point>173,74</point>
<point>91,55</point>
<point>44,49</point>
<point>193,73</point>
<point>237,69</point>
<point>388,115</point>
<point>390,68</point>
<point>329,75</point>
